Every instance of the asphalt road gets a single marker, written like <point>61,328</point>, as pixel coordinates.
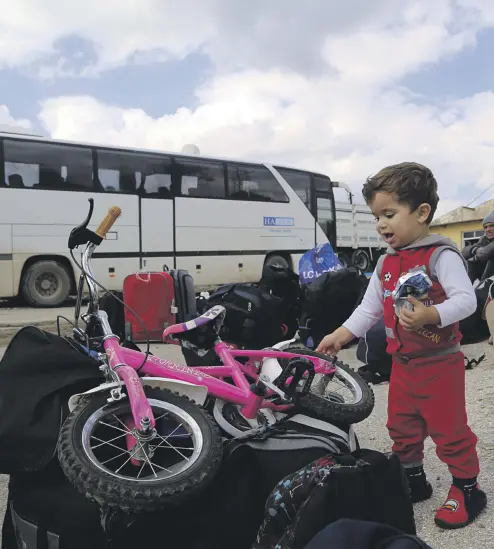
<point>373,434</point>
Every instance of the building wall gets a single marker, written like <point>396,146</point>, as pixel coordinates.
<point>455,230</point>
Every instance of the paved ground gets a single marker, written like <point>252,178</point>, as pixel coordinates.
<point>372,434</point>
<point>13,318</point>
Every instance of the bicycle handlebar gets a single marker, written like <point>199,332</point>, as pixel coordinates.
<point>113,214</point>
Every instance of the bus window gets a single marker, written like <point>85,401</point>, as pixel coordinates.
<point>120,172</point>
<point>250,182</point>
<point>201,179</point>
<point>35,165</point>
<point>300,183</point>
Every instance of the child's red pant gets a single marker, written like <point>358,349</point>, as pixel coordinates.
<point>427,397</point>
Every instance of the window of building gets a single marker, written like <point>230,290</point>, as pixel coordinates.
<point>250,182</point>
<point>472,237</point>
<point>37,165</point>
<point>201,178</point>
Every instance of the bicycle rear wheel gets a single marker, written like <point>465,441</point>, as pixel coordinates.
<point>331,405</point>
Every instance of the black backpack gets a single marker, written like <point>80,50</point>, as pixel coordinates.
<point>360,534</point>
<point>474,328</point>
<point>364,485</point>
<point>255,318</point>
<point>328,302</point>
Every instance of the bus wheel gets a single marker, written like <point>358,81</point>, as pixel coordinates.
<point>45,284</point>
<point>361,259</point>
<point>276,261</point>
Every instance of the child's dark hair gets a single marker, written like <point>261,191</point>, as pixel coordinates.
<point>412,183</point>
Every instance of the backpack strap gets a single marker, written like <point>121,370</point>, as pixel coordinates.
<point>379,265</point>
<point>435,254</point>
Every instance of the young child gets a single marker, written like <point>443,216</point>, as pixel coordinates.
<point>427,386</point>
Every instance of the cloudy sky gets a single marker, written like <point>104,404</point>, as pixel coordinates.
<point>339,87</point>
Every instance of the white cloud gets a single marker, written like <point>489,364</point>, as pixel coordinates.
<point>317,88</point>
<point>319,124</point>
<point>235,34</point>
<point>7,120</point>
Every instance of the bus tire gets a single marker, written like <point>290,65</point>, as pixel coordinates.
<point>276,261</point>
<point>361,259</point>
<point>46,283</point>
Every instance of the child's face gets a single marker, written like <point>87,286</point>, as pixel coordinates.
<point>398,225</point>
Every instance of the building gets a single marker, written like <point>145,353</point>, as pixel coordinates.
<point>463,225</point>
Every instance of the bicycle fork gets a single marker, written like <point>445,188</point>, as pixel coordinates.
<point>141,426</point>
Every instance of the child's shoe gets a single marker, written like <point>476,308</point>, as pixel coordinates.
<point>420,488</point>
<point>463,505</point>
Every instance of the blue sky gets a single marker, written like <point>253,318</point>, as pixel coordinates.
<point>340,88</point>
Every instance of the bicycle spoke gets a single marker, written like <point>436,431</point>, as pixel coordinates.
<point>173,448</point>
<point>140,470</point>
<point>168,436</point>
<point>121,422</point>
<point>108,443</point>
<point>115,427</point>
<point>176,447</point>
<point>111,440</point>
<point>114,457</point>
<point>149,462</point>
<point>131,456</point>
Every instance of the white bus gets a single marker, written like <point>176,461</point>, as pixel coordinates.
<point>220,219</point>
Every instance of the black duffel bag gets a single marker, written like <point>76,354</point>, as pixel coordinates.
<point>371,350</point>
<point>328,302</point>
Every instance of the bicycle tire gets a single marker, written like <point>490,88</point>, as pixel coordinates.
<point>337,411</point>
<point>137,496</point>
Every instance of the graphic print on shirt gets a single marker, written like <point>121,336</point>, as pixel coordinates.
<point>389,284</point>
<point>401,342</point>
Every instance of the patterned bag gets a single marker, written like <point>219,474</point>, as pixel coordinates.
<point>364,485</point>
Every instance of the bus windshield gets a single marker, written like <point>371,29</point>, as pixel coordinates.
<point>316,192</point>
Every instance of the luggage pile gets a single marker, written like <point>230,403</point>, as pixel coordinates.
<point>313,468</point>
<point>301,483</point>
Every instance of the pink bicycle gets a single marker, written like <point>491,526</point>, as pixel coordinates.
<point>143,439</point>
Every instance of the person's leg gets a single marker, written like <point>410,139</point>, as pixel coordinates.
<point>444,410</point>
<point>407,430</point>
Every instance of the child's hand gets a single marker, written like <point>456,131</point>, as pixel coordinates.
<point>420,316</point>
<point>332,343</point>
<point>329,345</point>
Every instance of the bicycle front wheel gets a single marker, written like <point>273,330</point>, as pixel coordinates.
<point>180,458</point>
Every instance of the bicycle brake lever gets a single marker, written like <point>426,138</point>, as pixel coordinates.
<point>81,234</point>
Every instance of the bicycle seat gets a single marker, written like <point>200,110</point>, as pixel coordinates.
<point>215,313</point>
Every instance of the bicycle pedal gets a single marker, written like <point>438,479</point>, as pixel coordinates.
<point>289,381</point>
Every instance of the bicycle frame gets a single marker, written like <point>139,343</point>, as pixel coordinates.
<point>126,363</point>
<point>240,392</point>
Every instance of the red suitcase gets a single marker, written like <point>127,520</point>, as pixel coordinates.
<point>152,297</point>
